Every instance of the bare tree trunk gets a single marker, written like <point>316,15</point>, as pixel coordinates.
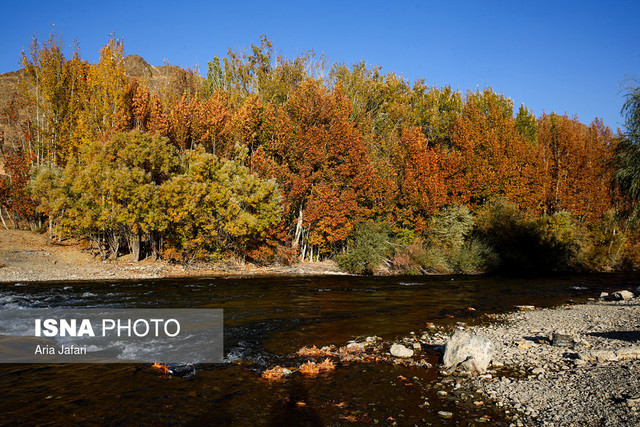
<point>298,235</point>
<point>2,218</point>
<point>155,240</point>
<point>134,245</point>
<point>114,243</point>
<point>13,220</point>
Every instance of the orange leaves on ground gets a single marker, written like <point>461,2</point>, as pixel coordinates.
<point>327,365</point>
<point>161,367</point>
<point>313,369</point>
<point>309,368</point>
<point>313,352</point>
<point>276,373</point>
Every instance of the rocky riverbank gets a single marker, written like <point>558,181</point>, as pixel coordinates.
<point>29,257</point>
<point>570,365</point>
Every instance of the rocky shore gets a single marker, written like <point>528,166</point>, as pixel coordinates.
<point>569,365</point>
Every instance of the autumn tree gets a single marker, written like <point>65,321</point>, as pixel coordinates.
<point>104,103</point>
<point>16,204</point>
<point>576,167</point>
<point>492,158</point>
<point>57,90</point>
<point>321,163</point>
<point>422,187</point>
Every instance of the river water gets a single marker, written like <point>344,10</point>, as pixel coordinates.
<point>266,320</point>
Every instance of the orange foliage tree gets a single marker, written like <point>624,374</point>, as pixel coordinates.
<point>494,159</point>
<point>320,160</point>
<point>576,165</point>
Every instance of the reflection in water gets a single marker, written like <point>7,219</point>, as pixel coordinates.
<point>266,320</point>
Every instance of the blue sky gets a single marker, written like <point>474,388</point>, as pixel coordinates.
<point>562,56</point>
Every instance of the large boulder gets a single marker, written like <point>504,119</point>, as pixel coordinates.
<point>469,352</point>
<point>622,295</point>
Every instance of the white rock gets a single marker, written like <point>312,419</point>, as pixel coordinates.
<point>398,350</point>
<point>603,355</point>
<point>470,352</point>
<point>622,295</point>
<point>632,352</point>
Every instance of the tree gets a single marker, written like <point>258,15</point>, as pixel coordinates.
<point>320,161</point>
<point>216,205</point>
<point>57,91</point>
<point>627,174</point>
<point>114,196</point>
<point>526,124</point>
<point>491,158</point>
<point>105,101</point>
<point>576,166</point>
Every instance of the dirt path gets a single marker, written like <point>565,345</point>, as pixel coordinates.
<point>29,257</point>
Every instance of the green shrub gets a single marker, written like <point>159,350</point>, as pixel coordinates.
<point>535,245</point>
<point>607,244</point>
<point>450,228</point>
<point>368,247</point>
<point>475,256</point>
<point>562,240</point>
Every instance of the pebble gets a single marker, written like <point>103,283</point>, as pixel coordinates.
<point>445,414</point>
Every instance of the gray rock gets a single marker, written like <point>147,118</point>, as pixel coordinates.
<point>470,352</point>
<point>538,371</point>
<point>559,339</point>
<point>622,295</point>
<point>398,350</point>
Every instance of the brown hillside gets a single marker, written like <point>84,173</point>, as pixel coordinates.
<point>156,78</point>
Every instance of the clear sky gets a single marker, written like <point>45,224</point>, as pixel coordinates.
<point>562,56</point>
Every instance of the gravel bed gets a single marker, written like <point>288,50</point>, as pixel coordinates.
<point>588,373</point>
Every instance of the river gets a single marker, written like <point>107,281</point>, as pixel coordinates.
<point>266,320</point>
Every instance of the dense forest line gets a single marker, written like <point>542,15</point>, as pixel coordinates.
<point>273,160</point>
